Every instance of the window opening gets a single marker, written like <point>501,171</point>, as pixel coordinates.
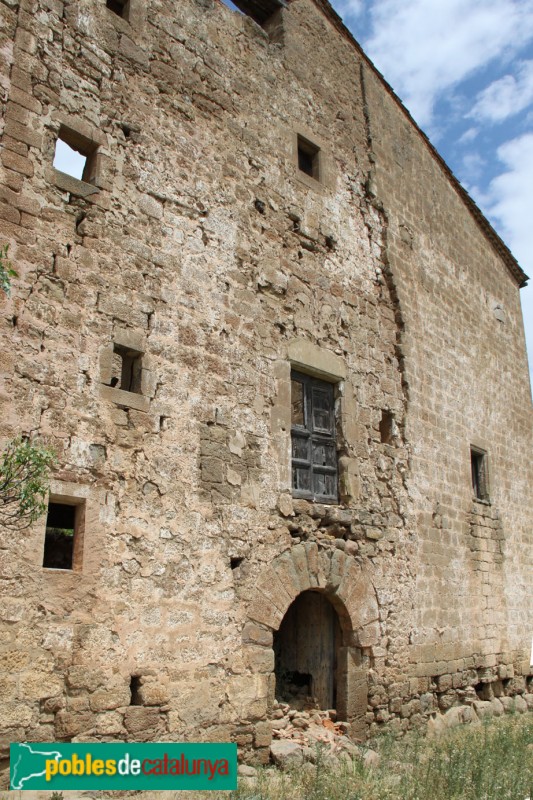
<point>68,160</point>
<point>386,427</point>
<point>75,155</point>
<point>62,532</point>
<point>478,460</point>
<point>261,11</point>
<point>126,369</point>
<point>308,158</point>
<point>135,689</point>
<point>119,7</point>
<point>314,452</point>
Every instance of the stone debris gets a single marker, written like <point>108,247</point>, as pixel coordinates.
<point>308,734</point>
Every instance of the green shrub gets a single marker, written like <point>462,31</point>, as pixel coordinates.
<point>24,472</point>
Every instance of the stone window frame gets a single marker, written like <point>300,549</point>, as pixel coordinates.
<point>324,175</point>
<point>88,140</point>
<point>132,342</point>
<point>131,369</point>
<point>480,473</point>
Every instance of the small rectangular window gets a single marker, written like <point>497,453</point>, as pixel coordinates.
<point>127,369</point>
<point>308,158</point>
<point>261,11</point>
<point>386,427</point>
<point>62,542</point>
<point>75,155</point>
<point>119,7</point>
<point>480,484</point>
<point>314,452</point>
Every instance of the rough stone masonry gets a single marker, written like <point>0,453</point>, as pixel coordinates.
<point>279,353</point>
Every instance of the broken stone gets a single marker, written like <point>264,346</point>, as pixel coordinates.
<point>246,771</point>
<point>286,754</point>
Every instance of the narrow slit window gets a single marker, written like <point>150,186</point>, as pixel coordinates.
<point>119,7</point>
<point>135,691</point>
<point>308,158</point>
<point>62,545</point>
<point>75,155</point>
<point>127,369</point>
<point>480,486</point>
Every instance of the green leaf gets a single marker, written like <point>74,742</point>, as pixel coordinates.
<point>24,479</point>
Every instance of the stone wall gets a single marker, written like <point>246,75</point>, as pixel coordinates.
<point>467,376</point>
<point>200,248</point>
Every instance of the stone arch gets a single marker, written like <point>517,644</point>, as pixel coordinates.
<point>348,588</point>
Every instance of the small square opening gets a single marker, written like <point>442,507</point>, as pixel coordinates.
<point>308,158</point>
<point>119,7</point>
<point>62,545</point>
<point>480,485</point>
<point>75,155</point>
<point>126,369</point>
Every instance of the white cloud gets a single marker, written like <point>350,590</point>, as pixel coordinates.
<point>469,136</point>
<point>509,202</point>
<point>474,165</point>
<point>348,8</point>
<point>509,198</point>
<point>507,96</point>
<point>426,47</point>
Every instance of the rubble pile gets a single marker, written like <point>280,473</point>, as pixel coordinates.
<point>309,734</point>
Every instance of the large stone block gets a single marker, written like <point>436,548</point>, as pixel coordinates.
<point>68,724</point>
<point>257,634</point>
<point>259,659</point>
<point>39,685</point>
<point>140,721</point>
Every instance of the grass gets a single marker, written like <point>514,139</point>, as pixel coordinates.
<point>493,761</point>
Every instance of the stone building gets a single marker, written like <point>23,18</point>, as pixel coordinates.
<point>279,353</point>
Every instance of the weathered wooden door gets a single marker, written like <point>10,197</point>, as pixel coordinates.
<point>306,648</point>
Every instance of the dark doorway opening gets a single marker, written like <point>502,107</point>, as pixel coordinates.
<point>306,649</point>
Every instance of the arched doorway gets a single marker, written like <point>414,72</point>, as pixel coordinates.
<point>280,610</point>
<point>307,650</point>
